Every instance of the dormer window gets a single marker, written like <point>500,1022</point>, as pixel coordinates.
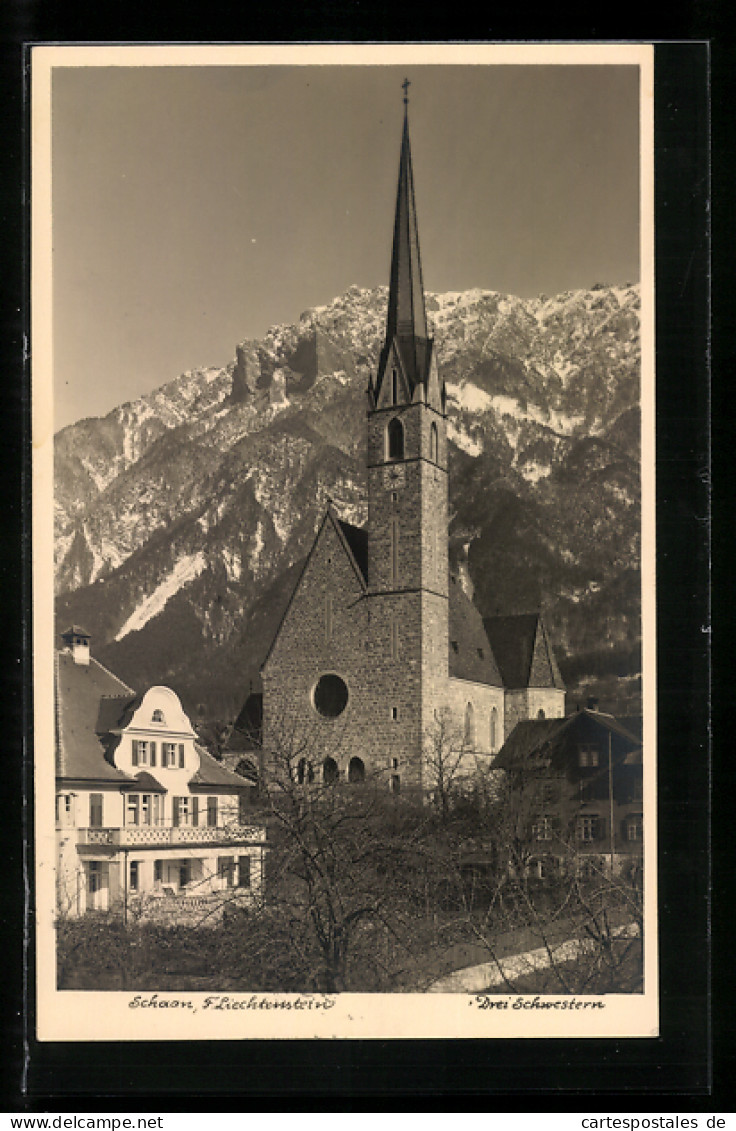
<point>395,439</point>
<point>587,756</point>
<point>158,716</point>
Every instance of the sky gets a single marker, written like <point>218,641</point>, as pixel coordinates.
<point>196,206</point>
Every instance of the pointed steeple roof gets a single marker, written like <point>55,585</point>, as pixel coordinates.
<point>406,313</point>
<point>406,324</point>
<point>523,651</point>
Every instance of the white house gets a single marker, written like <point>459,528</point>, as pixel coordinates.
<point>147,821</point>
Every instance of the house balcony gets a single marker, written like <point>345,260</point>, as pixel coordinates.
<point>164,836</point>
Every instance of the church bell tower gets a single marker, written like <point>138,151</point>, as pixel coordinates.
<point>407,498</point>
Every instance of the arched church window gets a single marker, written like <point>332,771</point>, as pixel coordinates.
<point>395,439</point>
<point>433,443</point>
<point>541,714</point>
<point>494,728</point>
<point>356,770</point>
<point>303,771</point>
<point>394,386</point>
<point>330,771</point>
<point>328,618</point>
<point>469,730</point>
<point>330,696</point>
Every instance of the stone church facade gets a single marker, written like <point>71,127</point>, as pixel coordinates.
<point>380,649</point>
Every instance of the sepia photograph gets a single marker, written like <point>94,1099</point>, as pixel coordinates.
<point>343,547</point>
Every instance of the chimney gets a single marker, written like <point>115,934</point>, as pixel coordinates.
<point>592,704</point>
<point>77,642</point>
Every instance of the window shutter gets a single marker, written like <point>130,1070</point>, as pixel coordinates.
<point>95,810</point>
<point>244,871</point>
<point>175,819</point>
<point>153,753</point>
<point>212,811</point>
<point>195,811</point>
<point>624,831</point>
<point>181,755</point>
<point>600,828</point>
<point>135,751</point>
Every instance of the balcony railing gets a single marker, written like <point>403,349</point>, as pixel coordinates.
<point>166,836</point>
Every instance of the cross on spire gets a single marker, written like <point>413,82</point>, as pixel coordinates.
<point>405,87</point>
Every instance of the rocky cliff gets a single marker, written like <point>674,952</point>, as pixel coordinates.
<point>181,517</point>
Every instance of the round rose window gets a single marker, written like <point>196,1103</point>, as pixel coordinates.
<point>331,696</point>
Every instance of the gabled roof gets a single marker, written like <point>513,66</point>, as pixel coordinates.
<point>80,752</point>
<point>523,651</point>
<point>537,740</point>
<point>75,630</point>
<point>610,722</point>
<point>633,723</point>
<point>526,742</point>
<point>213,773</point>
<point>147,783</point>
<point>247,733</point>
<point>470,653</point>
<point>113,711</point>
<point>349,536</point>
<point>357,540</point>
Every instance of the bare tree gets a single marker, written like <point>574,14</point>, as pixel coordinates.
<point>567,910</point>
<point>458,779</point>
<point>346,867</point>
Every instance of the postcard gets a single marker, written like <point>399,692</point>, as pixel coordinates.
<point>343,541</point>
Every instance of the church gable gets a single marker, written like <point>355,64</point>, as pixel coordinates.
<point>435,387</point>
<point>318,624</point>
<point>523,651</point>
<point>394,387</point>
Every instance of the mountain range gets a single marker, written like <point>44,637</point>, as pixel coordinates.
<point>182,518</point>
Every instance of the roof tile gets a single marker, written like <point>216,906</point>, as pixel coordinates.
<point>79,689</point>
<point>470,653</point>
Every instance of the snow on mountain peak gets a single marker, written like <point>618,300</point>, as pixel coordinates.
<point>224,472</point>
<point>185,570</point>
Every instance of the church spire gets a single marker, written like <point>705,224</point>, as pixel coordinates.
<point>406,325</point>
<point>406,314</point>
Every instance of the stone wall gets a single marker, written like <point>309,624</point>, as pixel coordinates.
<point>527,702</point>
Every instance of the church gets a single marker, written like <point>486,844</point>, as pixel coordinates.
<point>380,653</point>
